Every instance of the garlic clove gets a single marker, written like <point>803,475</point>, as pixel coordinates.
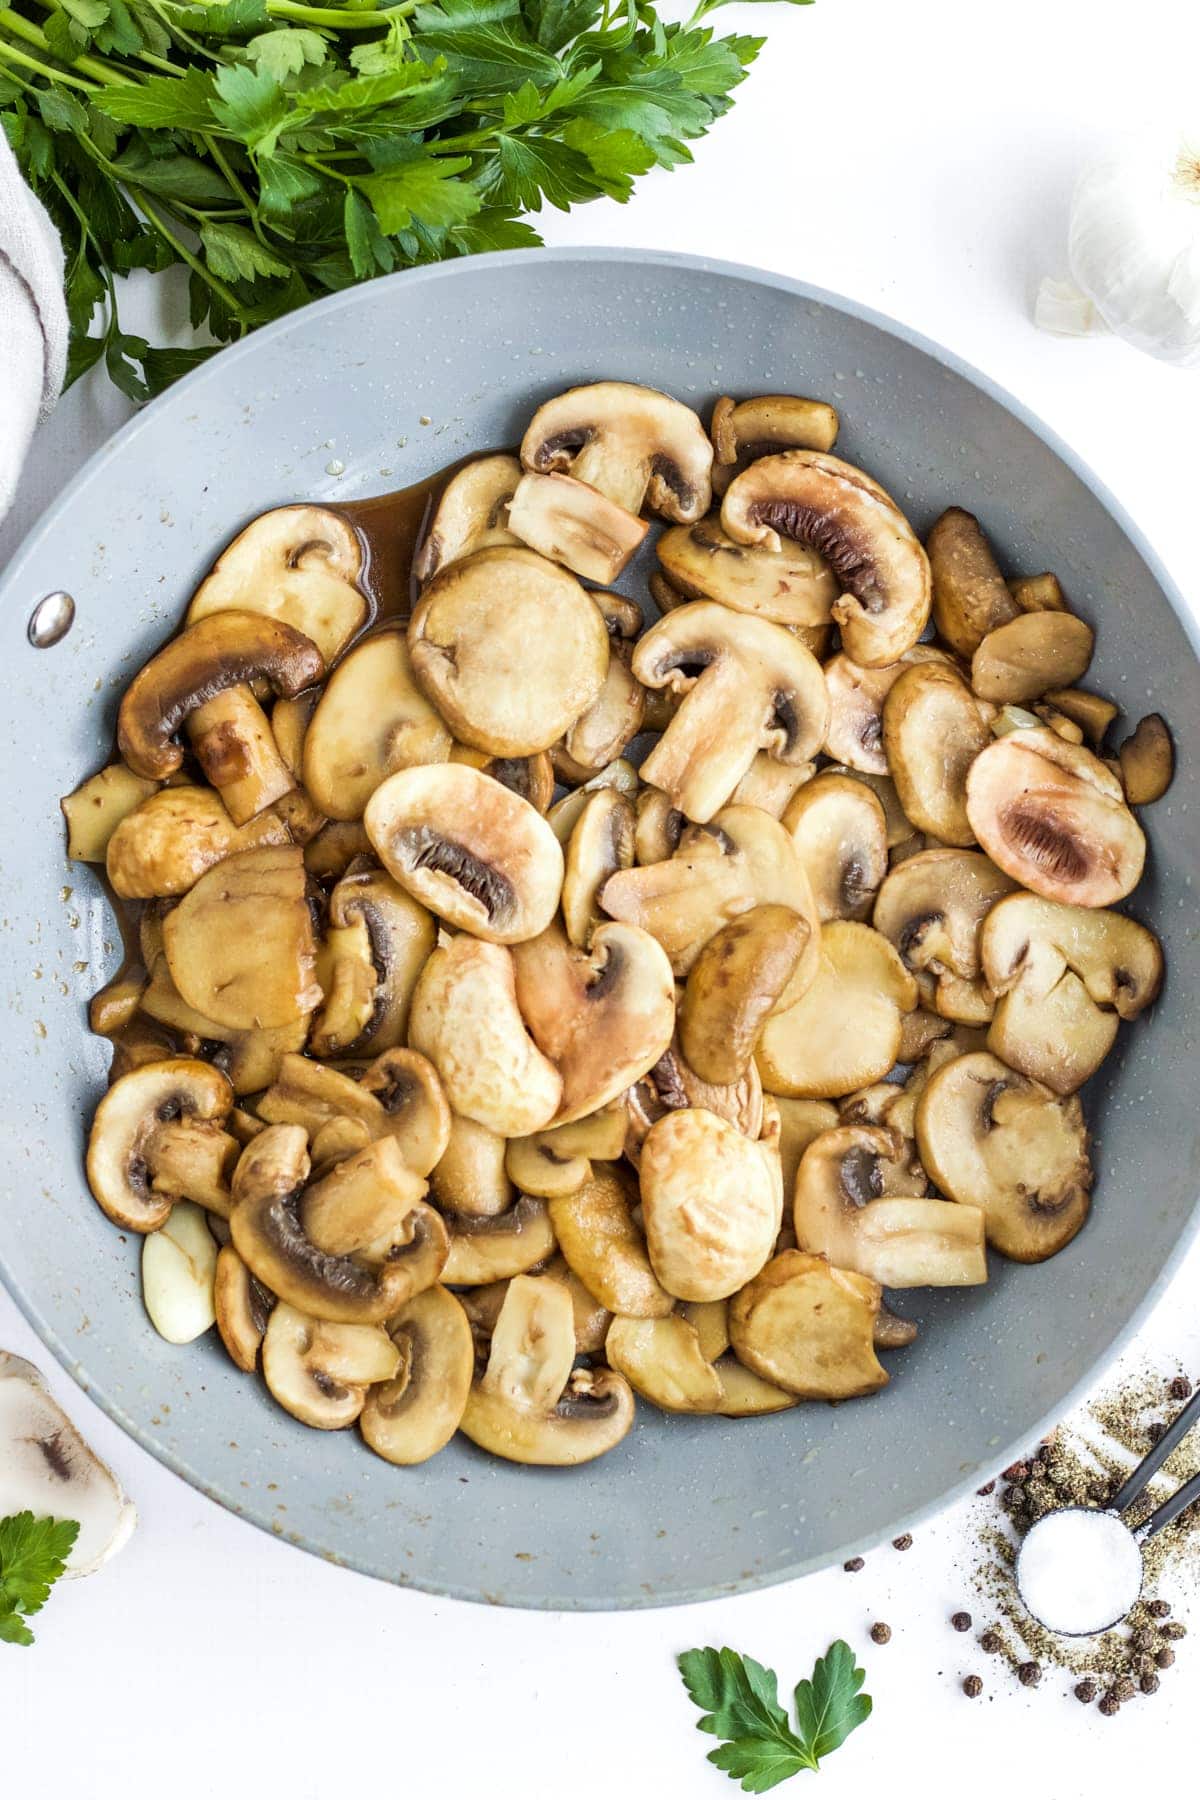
<point>179,1269</point>
<point>1065,310</point>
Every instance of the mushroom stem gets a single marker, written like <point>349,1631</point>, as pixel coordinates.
<point>235,747</point>
<point>193,1159</point>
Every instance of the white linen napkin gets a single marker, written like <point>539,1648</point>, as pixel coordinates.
<point>33,320</point>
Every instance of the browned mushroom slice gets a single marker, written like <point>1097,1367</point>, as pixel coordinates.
<point>399,1095</point>
<point>320,1371</point>
<point>414,1415</point>
<point>712,1202</point>
<point>376,943</point>
<point>673,1084</point>
<point>848,519</point>
<point>899,825</point>
<point>931,908</point>
<point>470,1177</point>
<point>1054,817</point>
<point>233,743</point>
<point>332,849</point>
<point>1147,761</point>
<point>745,430</point>
<point>735,982</point>
<point>530,777</point>
<point>1028,656</point>
<point>493,1249</point>
<point>601,843</point>
<point>970,596</point>
<point>94,811</point>
<point>840,833</point>
<point>1038,593</point>
<point>471,515</point>
<point>809,1328</point>
<point>933,730</point>
<point>243,1307</point>
<point>164,845</point>
<point>572,523</point>
<point>563,816</point>
<point>843,1030</point>
<point>663,1361</point>
<point>364,1205</point>
<point>791,585</point>
<point>856,697</point>
<point>638,447</point>
<point>298,564</point>
<point>770,784</point>
<point>609,725</point>
<point>559,1160</point>
<point>112,1007</point>
<point>602,1243</point>
<point>1091,712</point>
<point>992,1138</point>
<point>659,827</point>
<point>240,945</point>
<point>371,720</point>
<point>158,1136</point>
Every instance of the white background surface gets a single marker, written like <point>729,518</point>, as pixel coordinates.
<point>918,155</point>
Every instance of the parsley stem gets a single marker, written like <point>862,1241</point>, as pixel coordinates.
<point>87,65</point>
<point>145,56</point>
<point>230,173</point>
<point>342,19</point>
<point>225,294</point>
<point>11,54</point>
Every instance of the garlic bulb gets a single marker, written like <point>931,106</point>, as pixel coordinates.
<point>1135,242</point>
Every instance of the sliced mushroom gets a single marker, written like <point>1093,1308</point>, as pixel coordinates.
<point>992,1138</point>
<point>970,596</point>
<point>530,777</point>
<point>601,843</point>
<point>1091,712</point>
<point>748,685</point>
<point>663,1361</point>
<point>791,585</point>
<point>1065,976</point>
<point>856,697</point>
<point>243,1306</point>
<point>330,852</point>
<point>179,1267</point>
<point>361,1206</point>
<point>609,725</point>
<point>659,827</point>
<point>493,1249</point>
<point>376,943</point>
<point>933,729</point>
<point>158,1136</point>
<point>764,425</point>
<point>528,1406</point>
<point>809,1328</point>
<point>800,1121</point>
<point>371,720</point>
<point>857,528</point>
<point>932,909</point>
<point>96,809</point>
<point>399,1095</point>
<point>1147,761</point>
<point>320,1370</point>
<point>164,845</point>
<point>250,1059</point>
<point>843,1030</point>
<point>298,564</point>
<point>414,1415</point>
<point>769,784</point>
<point>1028,656</point>
<point>1038,593</point>
<point>838,827</point>
<point>470,515</point>
<point>563,816</point>
<point>712,1203</point>
<point>470,1179</point>
<point>510,649</point>
<point>899,825</point>
<point>569,522</point>
<point>1052,816</point>
<point>558,1161</point>
<point>472,852</point>
<point>735,982</point>
<point>893,1332</point>
<point>602,1243</point>
<point>919,1031</point>
<point>233,743</point>
<point>113,1006</point>
<point>240,944</point>
<point>638,447</point>
<point>465,1018</point>
<point>841,1211</point>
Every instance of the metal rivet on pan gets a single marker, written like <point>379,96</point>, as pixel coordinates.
<point>50,620</point>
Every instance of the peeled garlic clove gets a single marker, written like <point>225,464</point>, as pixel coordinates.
<point>48,1470</point>
<point>179,1268</point>
<point>1065,310</point>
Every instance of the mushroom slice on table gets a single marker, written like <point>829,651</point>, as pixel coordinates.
<point>857,528</point>
<point>159,1136</point>
<point>529,1406</point>
<point>414,1415</point>
<point>842,1030</point>
<point>509,648</point>
<point>791,585</point>
<point>601,843</point>
<point>712,1201</point>
<point>809,1328</point>
<point>932,907</point>
<point>1028,656</point>
<point>1147,760</point>
<point>319,1370</point>
<point>483,1250</point>
<point>47,1469</point>
<point>559,1160</point>
<point>96,808</point>
<point>371,720</point>
<point>602,1243</point>
<point>467,1020</point>
<point>571,523</point>
<point>856,697</point>
<point>838,827</point>
<point>1065,977</point>
<point>602,1016</point>
<point>673,1084</point>
<point>638,447</point>
<point>470,515</point>
<point>529,777</point>
<point>992,1138</point>
<point>164,845</point>
<point>179,1268</point>
<point>298,564</point>
<point>744,430</point>
<point>933,729</point>
<point>747,685</point>
<point>240,944</point>
<point>377,941</point>
<point>243,1306</point>
<point>970,595</point>
<point>472,852</point>
<point>900,1239</point>
<point>470,1178</point>
<point>1054,818</point>
<point>736,980</point>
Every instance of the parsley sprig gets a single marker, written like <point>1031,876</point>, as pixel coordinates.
<point>280,150</point>
<point>33,1554</point>
<point>740,1702</point>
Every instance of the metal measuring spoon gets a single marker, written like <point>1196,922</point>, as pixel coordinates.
<point>1079,1569</point>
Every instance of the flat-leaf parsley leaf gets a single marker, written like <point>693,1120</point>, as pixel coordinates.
<point>740,1703</point>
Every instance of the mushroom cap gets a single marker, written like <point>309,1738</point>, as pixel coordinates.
<point>168,841</point>
<point>856,697</point>
<point>992,1138</point>
<point>712,1204</point>
<point>602,1016</point>
<point>842,1030</point>
<point>371,720</point>
<point>601,843</point>
<point>636,445</point>
<point>1054,818</point>
<point>840,832</point>
<point>414,1415</point>
<point>240,944</point>
<point>932,907</point>
<point>791,585</point>
<point>1025,658</point>
<point>298,564</point>
<point>970,595</point>
<point>493,1249</point>
<point>735,982</point>
<point>320,1370</point>
<point>470,514</point>
<point>809,1328</point>
<point>933,730</point>
<point>603,1245</point>
<point>136,1106</point>
<point>509,648</point>
<point>859,531</point>
<point>223,650</point>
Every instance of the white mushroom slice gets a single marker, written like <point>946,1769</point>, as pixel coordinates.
<point>843,1030</point>
<point>747,685</point>
<point>376,943</point>
<point>164,845</point>
<point>301,564</point>
<point>672,1084</point>
<point>95,810</point>
<point>1028,656</point>
<point>662,1360</point>
<point>712,1203</point>
<point>1065,976</point>
<point>320,1370</point>
<point>735,983</point>
<point>1147,760</point>
<point>243,1306</point>
<point>240,944</point>
<point>992,1138</point>
<point>472,852</point>
<point>114,1006</point>
<point>510,649</point>
<point>574,524</point>
<point>791,585</point>
<point>838,827</point>
<point>764,425</point>
<point>970,596</point>
<point>558,1161</point>
<point>933,729</point>
<point>414,1415</point>
<point>47,1469</point>
<point>601,843</point>
<point>609,725</point>
<point>529,1406</point>
<point>604,1246</point>
<point>800,1121</point>
<point>362,1205</point>
<point>563,816</point>
<point>603,1017</point>
<point>371,720</point>
<point>179,1267</point>
<point>470,515</point>
<point>484,1250</point>
<point>530,777</point>
<point>899,825</point>
<point>1054,817</point>
<point>158,1137</point>
<point>470,1179</point>
<point>332,849</point>
<point>465,1019</point>
<point>640,448</point>
<point>769,784</point>
<point>841,1210</point>
<point>290,720</point>
<point>848,519</point>
<point>809,1328</point>
<point>856,697</point>
<point>659,827</point>
<point>932,908</point>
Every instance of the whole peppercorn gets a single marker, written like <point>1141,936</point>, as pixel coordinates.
<point>1085,1691</point>
<point>1110,1705</point>
<point>1149,1684</point>
<point>989,1487</point>
<point>881,1633</point>
<point>1123,1689</point>
<point>1180,1388</point>
<point>1174,1630</point>
<point>992,1642</point>
<point>854,1565</point>
<point>1156,1430</point>
<point>972,1687</point>
<point>1029,1674</point>
<point>1014,1497</point>
<point>1158,1609</point>
<point>1165,1657</point>
<point>1144,1665</point>
<point>1143,1639</point>
<point>961,1621</point>
<point>904,1542</point>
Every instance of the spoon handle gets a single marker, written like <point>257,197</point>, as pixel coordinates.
<point>1150,1465</point>
<point>1170,1509</point>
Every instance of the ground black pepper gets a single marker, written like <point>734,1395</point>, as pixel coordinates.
<point>972,1687</point>
<point>881,1633</point>
<point>961,1621</point>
